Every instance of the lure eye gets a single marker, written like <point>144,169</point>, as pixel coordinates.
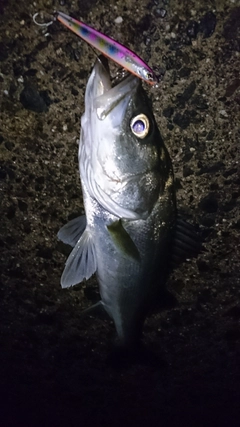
<point>148,76</point>
<point>140,126</point>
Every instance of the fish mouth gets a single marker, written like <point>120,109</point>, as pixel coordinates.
<point>118,78</point>
<point>106,97</point>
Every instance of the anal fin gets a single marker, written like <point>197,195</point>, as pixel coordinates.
<point>187,242</point>
<point>99,306</point>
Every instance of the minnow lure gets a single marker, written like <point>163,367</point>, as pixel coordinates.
<point>110,47</point>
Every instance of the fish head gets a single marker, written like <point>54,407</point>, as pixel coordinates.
<point>123,161</point>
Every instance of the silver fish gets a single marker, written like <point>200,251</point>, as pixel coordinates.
<point>127,182</point>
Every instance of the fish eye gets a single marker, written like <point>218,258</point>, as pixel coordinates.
<point>140,126</point>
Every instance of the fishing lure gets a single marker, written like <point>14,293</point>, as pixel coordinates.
<point>110,47</point>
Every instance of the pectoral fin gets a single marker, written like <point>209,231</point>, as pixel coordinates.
<point>81,263</point>
<point>122,240</point>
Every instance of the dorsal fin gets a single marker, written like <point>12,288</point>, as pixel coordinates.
<point>81,263</point>
<point>187,242</point>
<point>71,232</point>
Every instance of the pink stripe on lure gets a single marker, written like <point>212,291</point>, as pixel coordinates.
<point>111,48</point>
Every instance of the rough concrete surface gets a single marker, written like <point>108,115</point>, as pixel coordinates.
<point>55,368</point>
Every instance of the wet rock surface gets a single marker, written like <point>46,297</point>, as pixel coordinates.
<point>55,366</point>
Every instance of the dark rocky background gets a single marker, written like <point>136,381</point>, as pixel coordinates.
<point>55,368</point>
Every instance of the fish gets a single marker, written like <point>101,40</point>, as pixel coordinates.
<point>130,232</point>
<point>110,48</point>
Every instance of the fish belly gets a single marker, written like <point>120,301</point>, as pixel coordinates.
<point>129,286</point>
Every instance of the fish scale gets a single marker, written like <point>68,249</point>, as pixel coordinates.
<point>131,227</point>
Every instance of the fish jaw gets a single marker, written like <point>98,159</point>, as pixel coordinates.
<point>101,98</point>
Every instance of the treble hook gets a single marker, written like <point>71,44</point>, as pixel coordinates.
<point>46,24</point>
